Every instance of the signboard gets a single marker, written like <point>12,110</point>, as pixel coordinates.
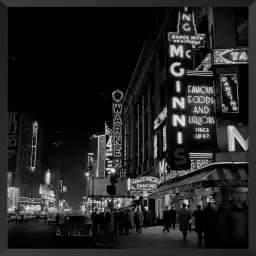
<point>164,139</point>
<point>161,117</point>
<point>229,93</point>
<point>155,146</point>
<point>101,155</point>
<point>34,146</point>
<point>117,110</point>
<point>179,61</point>
<point>197,160</point>
<point>230,56</point>
<point>232,138</point>
<point>109,151</point>
<point>146,183</point>
<point>200,113</point>
<point>47,178</point>
<point>13,129</point>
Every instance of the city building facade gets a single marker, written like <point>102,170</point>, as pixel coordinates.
<point>157,143</point>
<point>24,161</point>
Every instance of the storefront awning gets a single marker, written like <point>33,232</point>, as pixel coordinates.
<point>229,176</point>
<point>163,190</point>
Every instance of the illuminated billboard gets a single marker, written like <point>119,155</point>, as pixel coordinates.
<point>200,112</point>
<point>146,183</point>
<point>34,146</point>
<point>179,61</point>
<point>230,56</point>
<point>101,156</point>
<point>117,133</point>
<point>13,127</point>
<point>229,93</point>
<point>109,151</point>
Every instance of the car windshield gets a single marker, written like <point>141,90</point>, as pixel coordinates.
<point>77,218</point>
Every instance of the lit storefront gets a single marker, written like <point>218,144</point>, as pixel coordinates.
<point>49,198</point>
<point>30,205</point>
<point>12,198</point>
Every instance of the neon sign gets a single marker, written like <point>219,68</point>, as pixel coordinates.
<point>161,117</point>
<point>164,139</point>
<point>34,146</point>
<point>229,93</point>
<point>200,107</point>
<point>179,60</point>
<point>146,183</point>
<point>230,56</point>
<point>197,160</point>
<point>233,136</point>
<point>47,178</point>
<point>117,109</point>
<point>155,146</point>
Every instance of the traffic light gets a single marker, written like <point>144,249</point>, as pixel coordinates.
<point>111,189</point>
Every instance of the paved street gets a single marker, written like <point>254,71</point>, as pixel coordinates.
<point>37,235</point>
<point>154,238</point>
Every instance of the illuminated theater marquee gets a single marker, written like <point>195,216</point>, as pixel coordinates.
<point>179,59</point>
<point>117,109</point>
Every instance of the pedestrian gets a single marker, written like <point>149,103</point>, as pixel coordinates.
<point>107,221</point>
<point>138,220</point>
<point>95,222</point>
<point>166,219</point>
<point>184,221</point>
<point>101,223</point>
<point>190,219</point>
<point>172,214</point>
<point>132,219</point>
<point>121,222</point>
<point>199,224</point>
<point>146,217</point>
<point>210,226</point>
<point>57,218</point>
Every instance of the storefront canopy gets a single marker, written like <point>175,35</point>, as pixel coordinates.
<point>221,176</point>
<point>163,190</point>
<point>214,175</point>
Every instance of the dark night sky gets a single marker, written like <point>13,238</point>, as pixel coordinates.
<point>62,59</point>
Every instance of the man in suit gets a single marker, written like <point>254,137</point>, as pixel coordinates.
<point>107,221</point>
<point>173,214</point>
<point>166,219</point>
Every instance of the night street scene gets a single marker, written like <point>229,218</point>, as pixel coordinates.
<point>128,128</point>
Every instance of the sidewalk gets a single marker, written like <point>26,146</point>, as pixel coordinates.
<point>153,238</point>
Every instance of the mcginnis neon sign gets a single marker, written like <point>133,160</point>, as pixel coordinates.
<point>117,110</point>
<point>179,59</point>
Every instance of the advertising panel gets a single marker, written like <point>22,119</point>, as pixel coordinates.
<point>34,146</point>
<point>117,134</point>
<point>230,56</point>
<point>101,155</point>
<point>179,62</point>
<point>144,184</point>
<point>109,151</point>
<point>200,113</point>
<point>229,93</point>
<point>13,130</point>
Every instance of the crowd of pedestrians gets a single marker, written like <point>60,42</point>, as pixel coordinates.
<point>219,226</point>
<point>216,226</point>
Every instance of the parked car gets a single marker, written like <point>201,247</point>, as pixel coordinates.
<point>75,225</point>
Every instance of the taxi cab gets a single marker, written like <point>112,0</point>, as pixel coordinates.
<point>75,225</point>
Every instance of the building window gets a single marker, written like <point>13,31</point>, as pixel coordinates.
<point>162,96</point>
<point>162,52</point>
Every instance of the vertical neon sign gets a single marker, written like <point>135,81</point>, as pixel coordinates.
<point>117,110</point>
<point>34,146</point>
<point>179,60</point>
